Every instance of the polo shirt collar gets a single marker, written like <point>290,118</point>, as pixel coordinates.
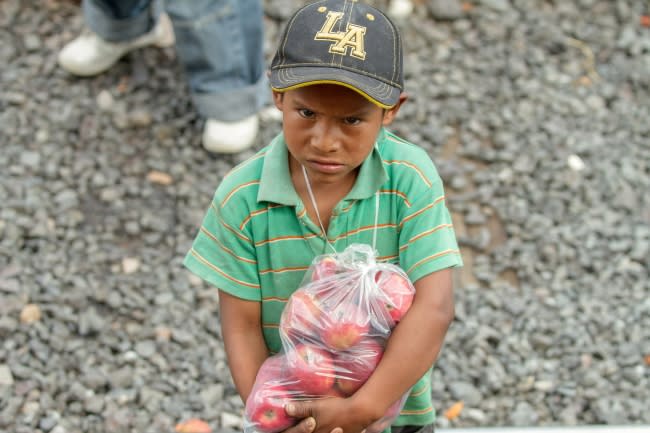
<point>276,185</point>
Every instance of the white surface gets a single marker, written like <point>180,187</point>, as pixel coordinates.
<point>562,429</point>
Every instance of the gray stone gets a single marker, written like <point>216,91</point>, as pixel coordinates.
<point>445,9</point>
<point>474,216</point>
<point>48,423</point>
<point>94,379</point>
<point>30,159</point>
<point>66,199</point>
<point>212,394</point>
<point>523,415</point>
<point>140,118</point>
<point>497,5</point>
<point>32,42</point>
<point>90,322</point>
<point>94,404</point>
<point>121,378</point>
<point>465,391</point>
<point>6,378</point>
<point>145,348</point>
<point>105,100</point>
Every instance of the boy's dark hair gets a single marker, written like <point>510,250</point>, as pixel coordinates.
<point>342,42</point>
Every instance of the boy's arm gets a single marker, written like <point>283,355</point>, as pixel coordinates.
<point>414,345</point>
<point>411,350</point>
<point>241,328</point>
<point>243,340</point>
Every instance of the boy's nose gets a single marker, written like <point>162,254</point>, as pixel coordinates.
<point>326,138</point>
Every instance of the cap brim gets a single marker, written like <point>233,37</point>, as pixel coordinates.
<point>377,92</point>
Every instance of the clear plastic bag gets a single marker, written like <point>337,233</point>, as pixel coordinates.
<point>334,330</point>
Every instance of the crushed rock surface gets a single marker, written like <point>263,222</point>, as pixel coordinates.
<point>536,113</point>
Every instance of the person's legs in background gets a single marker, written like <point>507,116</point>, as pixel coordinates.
<point>220,44</point>
<point>115,28</point>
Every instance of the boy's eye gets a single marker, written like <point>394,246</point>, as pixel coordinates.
<point>306,113</point>
<point>352,120</point>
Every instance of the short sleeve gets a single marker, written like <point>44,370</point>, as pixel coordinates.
<point>427,242</point>
<point>223,255</point>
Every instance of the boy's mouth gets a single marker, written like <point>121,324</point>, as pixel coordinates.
<point>325,166</point>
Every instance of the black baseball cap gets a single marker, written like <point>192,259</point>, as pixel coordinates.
<point>342,42</point>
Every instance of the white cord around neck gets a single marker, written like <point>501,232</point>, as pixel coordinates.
<point>374,232</point>
<point>320,222</point>
<point>313,202</point>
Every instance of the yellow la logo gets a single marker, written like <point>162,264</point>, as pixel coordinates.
<point>352,37</point>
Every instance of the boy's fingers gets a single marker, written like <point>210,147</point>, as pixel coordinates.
<point>307,425</point>
<point>299,409</point>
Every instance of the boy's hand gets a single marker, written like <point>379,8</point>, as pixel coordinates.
<point>332,415</point>
<point>305,425</point>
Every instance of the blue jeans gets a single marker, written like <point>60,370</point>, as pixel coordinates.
<point>220,44</point>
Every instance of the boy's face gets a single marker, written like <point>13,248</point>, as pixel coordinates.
<point>330,129</point>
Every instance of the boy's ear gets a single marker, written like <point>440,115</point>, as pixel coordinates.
<point>278,99</point>
<point>390,114</point>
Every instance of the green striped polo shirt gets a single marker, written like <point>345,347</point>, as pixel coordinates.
<point>256,240</point>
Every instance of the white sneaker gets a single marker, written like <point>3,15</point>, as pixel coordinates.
<point>230,137</point>
<point>89,54</point>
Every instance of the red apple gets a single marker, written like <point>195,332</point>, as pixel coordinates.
<point>355,365</point>
<point>334,392</point>
<point>398,293</point>
<point>324,268</point>
<point>344,326</point>
<point>312,367</point>
<point>265,409</point>
<point>274,372</point>
<point>301,317</point>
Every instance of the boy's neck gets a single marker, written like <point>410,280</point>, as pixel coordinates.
<point>326,195</point>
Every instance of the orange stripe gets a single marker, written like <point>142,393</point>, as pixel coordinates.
<point>285,238</point>
<point>207,263</point>
<point>396,139</point>
<point>226,249</point>
<point>233,231</point>
<point>386,258</point>
<point>234,191</point>
<point>256,213</point>
<point>427,207</point>
<point>416,412</point>
<point>413,215</point>
<point>361,229</point>
<point>425,387</point>
<point>423,234</point>
<point>398,193</point>
<point>270,325</point>
<point>435,256</point>
<point>347,208</point>
<point>275,299</point>
<point>236,233</point>
<point>281,270</point>
<point>412,166</point>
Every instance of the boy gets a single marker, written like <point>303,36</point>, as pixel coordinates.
<point>334,177</point>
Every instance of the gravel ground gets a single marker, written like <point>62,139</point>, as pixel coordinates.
<point>537,115</point>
